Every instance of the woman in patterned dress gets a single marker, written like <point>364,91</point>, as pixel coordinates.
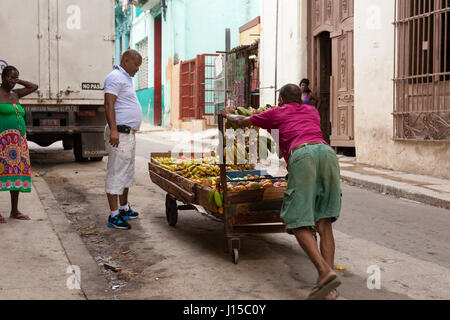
<point>15,170</point>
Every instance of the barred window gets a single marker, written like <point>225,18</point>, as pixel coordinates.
<point>142,76</point>
<point>422,75</point>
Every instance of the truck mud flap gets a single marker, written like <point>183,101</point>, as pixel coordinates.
<point>93,145</point>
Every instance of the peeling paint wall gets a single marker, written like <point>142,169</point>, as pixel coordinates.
<point>374,60</point>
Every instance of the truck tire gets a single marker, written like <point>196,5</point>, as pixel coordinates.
<point>96,159</point>
<point>68,144</point>
<point>78,150</point>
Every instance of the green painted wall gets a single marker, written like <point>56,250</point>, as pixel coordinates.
<point>146,99</point>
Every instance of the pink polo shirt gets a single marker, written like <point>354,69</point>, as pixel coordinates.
<point>297,124</point>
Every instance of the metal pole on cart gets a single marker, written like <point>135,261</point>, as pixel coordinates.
<point>233,242</point>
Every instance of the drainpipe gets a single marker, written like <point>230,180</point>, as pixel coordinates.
<point>276,55</point>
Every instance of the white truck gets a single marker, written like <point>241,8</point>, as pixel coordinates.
<point>67,48</point>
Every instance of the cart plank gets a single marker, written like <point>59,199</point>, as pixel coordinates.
<point>172,188</point>
<point>255,195</point>
<point>258,212</point>
<point>184,183</point>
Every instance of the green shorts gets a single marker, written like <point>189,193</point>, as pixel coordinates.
<point>314,189</point>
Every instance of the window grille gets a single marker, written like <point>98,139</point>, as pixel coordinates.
<point>422,73</point>
<point>142,77</point>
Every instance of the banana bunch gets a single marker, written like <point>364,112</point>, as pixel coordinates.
<point>164,160</point>
<point>215,196</point>
<point>199,171</point>
<point>247,112</point>
<point>236,155</point>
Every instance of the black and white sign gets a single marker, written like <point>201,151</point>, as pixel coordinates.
<point>91,86</point>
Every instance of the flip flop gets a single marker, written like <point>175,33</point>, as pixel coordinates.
<point>2,220</point>
<point>324,289</point>
<point>21,216</point>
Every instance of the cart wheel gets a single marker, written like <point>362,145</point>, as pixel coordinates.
<point>235,255</point>
<point>171,210</point>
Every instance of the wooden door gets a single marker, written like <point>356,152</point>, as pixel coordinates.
<point>332,20</point>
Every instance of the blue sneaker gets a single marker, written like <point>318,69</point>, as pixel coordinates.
<point>118,222</point>
<point>130,214</point>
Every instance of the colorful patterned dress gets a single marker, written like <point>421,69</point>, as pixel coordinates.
<point>15,169</point>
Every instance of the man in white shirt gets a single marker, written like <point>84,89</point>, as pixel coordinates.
<point>124,117</point>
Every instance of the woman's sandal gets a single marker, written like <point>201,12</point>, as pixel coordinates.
<point>2,220</point>
<point>20,216</point>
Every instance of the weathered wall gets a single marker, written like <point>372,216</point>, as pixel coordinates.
<point>292,52</point>
<point>374,60</point>
<point>143,27</point>
<point>248,37</point>
<point>173,80</point>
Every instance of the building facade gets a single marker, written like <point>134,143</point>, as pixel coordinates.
<point>380,69</point>
<point>168,32</point>
<point>123,20</point>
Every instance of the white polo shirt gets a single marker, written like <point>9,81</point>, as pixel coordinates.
<point>127,107</point>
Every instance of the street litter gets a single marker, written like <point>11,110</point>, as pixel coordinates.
<point>112,266</point>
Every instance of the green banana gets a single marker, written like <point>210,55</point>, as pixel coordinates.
<point>269,144</point>
<point>211,195</point>
<point>218,199</point>
<point>244,112</point>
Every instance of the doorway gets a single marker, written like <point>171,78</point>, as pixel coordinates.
<point>330,67</point>
<point>324,72</point>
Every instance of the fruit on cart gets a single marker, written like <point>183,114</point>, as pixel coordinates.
<point>244,112</point>
<point>267,184</point>
<point>230,187</point>
<point>241,187</point>
<point>237,153</point>
<point>218,199</point>
<point>211,195</point>
<point>253,186</point>
<point>279,184</point>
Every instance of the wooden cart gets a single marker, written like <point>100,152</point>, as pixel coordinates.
<point>244,212</point>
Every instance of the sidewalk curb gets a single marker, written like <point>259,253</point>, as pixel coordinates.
<point>93,283</point>
<point>397,192</point>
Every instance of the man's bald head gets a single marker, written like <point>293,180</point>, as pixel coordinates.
<point>131,61</point>
<point>130,54</point>
<point>290,93</point>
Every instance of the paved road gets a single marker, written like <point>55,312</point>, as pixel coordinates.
<point>407,242</point>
